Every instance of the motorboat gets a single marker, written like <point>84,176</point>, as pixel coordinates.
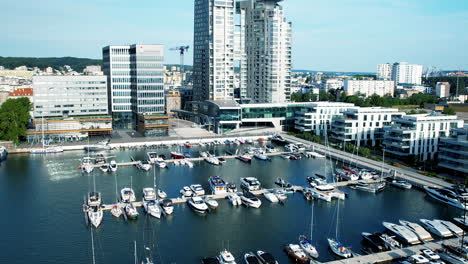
<point>152,208</point>
<point>167,206</point>
<point>197,189</point>
<point>261,156</point>
<point>296,253</point>
<point>436,227</point>
<point>212,160</point>
<point>422,234</point>
<point>251,258</point>
<point>186,191</point>
<point>266,258</point>
<point>451,226</point>
<point>401,184</point>
<point>221,160</point>
<point>381,186</point>
<point>47,150</point>
<point>104,168</point>
<point>339,249</point>
<point>187,145</point>
<point>271,197</point>
<point>270,149</point>
<point>212,203</point>
<point>131,211</point>
<point>152,156</point>
<point>197,204</point>
<point>210,260</point>
<point>95,215</point>
<point>94,199</point>
<point>189,164</point>
<point>177,155</point>
<point>149,194</point>
<point>226,257</point>
<point>160,163</point>
<point>285,156</point>
<point>127,195</point>
<point>404,233</point>
<point>250,184</point>
<point>281,195</point>
<point>375,241</point>
<point>87,165</point>
<point>295,156</point>
<point>429,254</point>
<point>231,187</point>
<point>346,175</point>
<point>250,200</point>
<point>462,221</point>
<point>390,241</point>
<point>113,166</point>
<point>313,154</point>
<point>417,259</point>
<point>161,194</point>
<point>278,139</point>
<point>116,210</point>
<point>315,181</point>
<point>3,153</point>
<point>452,258</point>
<point>300,147</point>
<point>308,194</point>
<point>203,154</point>
<point>245,158</point>
<point>217,185</point>
<point>365,174</point>
<point>100,146</point>
<point>307,246</point>
<point>447,196</point>
<point>290,148</point>
<point>143,165</point>
<point>282,183</point>
<point>177,162</point>
<point>362,186</point>
<point>100,159</point>
<point>234,199</point>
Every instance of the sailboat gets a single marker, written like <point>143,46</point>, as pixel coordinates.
<point>46,149</point>
<point>305,243</point>
<point>116,210</point>
<point>150,204</point>
<point>335,245</point>
<point>95,212</point>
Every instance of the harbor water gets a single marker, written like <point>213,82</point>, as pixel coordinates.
<point>42,219</point>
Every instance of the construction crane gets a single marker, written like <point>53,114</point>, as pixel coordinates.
<point>182,50</point>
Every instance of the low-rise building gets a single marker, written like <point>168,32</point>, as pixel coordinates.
<point>22,92</point>
<point>173,102</point>
<point>369,87</point>
<point>416,137</point>
<point>153,125</point>
<point>363,125</point>
<point>453,152</point>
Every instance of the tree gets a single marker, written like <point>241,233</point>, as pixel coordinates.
<point>449,111</point>
<point>14,117</point>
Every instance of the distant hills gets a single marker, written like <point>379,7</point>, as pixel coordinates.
<point>78,64</point>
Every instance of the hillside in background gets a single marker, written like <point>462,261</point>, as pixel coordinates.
<point>78,64</point>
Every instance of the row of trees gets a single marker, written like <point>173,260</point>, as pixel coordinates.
<point>455,83</point>
<point>14,118</point>
<point>78,64</point>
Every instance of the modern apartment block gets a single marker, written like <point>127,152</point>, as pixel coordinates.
<point>69,108</point>
<point>135,82</point>
<point>384,71</point>
<point>417,136</point>
<point>443,89</point>
<point>268,40</point>
<point>213,57</point>
<point>405,73</point>
<point>363,125</point>
<point>453,152</point>
<point>317,117</point>
<point>369,87</point>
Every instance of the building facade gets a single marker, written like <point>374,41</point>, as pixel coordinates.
<point>369,87</point>
<point>213,57</point>
<point>453,152</point>
<point>363,125</point>
<point>333,84</point>
<point>135,82</point>
<point>416,137</point>
<point>384,71</point>
<point>403,72</point>
<point>443,89</point>
<point>173,102</point>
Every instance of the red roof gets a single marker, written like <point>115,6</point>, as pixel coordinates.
<point>22,92</point>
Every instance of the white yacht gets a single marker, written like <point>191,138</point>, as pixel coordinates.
<point>271,197</point>
<point>451,226</point>
<point>152,208</point>
<point>94,199</point>
<point>436,228</point>
<point>234,199</point>
<point>212,160</point>
<point>104,168</point>
<point>160,163</point>
<point>87,165</point>
<point>462,221</point>
<point>197,189</point>
<point>113,166</point>
<point>95,215</point>
<point>47,150</point>
<point>401,184</point>
<point>250,200</point>
<point>197,204</point>
<point>225,257</point>
<point>127,195</point>
<point>307,246</point>
<point>162,194</point>
<point>447,196</point>
<point>217,185</point>
<point>390,241</point>
<point>266,257</point>
<point>281,195</point>
<point>167,206</point>
<point>152,156</point>
<point>422,234</point>
<point>143,165</point>
<point>404,233</point>
<point>212,203</point>
<point>339,249</point>
<point>186,191</point>
<point>149,194</point>
<point>250,184</point>
<point>100,146</point>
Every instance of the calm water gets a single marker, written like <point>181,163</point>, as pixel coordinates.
<point>43,223</point>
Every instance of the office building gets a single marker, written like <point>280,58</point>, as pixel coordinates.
<point>384,71</point>
<point>416,137</point>
<point>442,89</point>
<point>135,82</point>
<point>453,152</point>
<point>406,73</point>
<point>369,87</point>
<point>213,57</point>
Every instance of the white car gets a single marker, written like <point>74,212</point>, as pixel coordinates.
<point>430,254</point>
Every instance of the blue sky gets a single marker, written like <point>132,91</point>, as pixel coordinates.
<point>340,35</point>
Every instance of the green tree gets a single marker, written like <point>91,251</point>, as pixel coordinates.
<point>14,117</point>
<point>449,111</point>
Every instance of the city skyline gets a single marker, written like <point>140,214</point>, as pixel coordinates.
<point>327,36</point>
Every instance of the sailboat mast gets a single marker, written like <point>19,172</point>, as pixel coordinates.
<point>42,126</point>
<point>92,246</point>
<point>312,222</point>
<point>136,260</point>
<point>337,219</point>
<point>154,177</point>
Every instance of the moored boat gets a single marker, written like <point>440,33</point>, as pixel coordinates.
<point>447,196</point>
<point>113,166</point>
<point>131,211</point>
<point>234,199</point>
<point>152,208</point>
<point>250,200</point>
<point>177,155</point>
<point>251,258</point>
<point>226,257</point>
<point>436,228</point>
<point>217,185</point>
<point>250,184</point>
<point>422,234</point>
<point>307,246</point>
<point>296,253</point>
<point>127,195</point>
<point>404,233</point>
<point>271,197</point>
<point>339,249</point>
<point>401,184</point>
<point>167,206</point>
<point>95,215</point>
<point>266,258</point>
<point>197,204</point>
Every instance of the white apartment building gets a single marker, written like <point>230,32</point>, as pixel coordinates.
<point>369,87</point>
<point>403,72</point>
<point>333,84</point>
<point>363,125</point>
<point>453,152</point>
<point>417,136</point>
<point>69,95</point>
<point>135,79</point>
<point>443,89</point>
<point>213,58</point>
<point>384,71</point>
<point>317,117</point>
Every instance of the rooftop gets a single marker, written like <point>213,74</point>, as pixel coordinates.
<point>21,92</point>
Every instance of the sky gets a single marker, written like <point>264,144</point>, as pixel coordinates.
<point>328,35</point>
